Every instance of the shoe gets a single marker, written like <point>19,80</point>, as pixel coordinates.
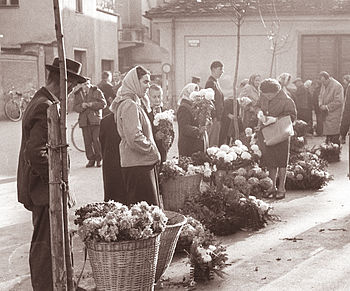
<point>98,164</point>
<point>90,164</point>
<point>280,195</point>
<point>270,193</point>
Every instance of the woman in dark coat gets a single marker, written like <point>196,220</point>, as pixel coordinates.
<point>111,170</point>
<point>274,102</point>
<point>190,134</point>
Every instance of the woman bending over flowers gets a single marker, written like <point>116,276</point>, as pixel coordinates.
<point>275,103</point>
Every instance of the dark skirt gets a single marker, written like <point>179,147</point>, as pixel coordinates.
<point>275,156</point>
<point>141,184</point>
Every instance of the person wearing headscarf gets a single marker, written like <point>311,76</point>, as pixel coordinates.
<point>191,136</point>
<point>284,80</point>
<point>249,110</point>
<point>138,151</point>
<point>275,103</point>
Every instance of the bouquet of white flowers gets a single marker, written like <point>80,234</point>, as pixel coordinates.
<point>164,127</point>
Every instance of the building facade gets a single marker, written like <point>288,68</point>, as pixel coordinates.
<point>28,40</point>
<point>310,36</point>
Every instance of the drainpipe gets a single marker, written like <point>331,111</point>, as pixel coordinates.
<point>173,56</point>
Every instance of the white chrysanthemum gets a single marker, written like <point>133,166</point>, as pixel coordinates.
<point>233,156</point>
<point>246,156</point>
<point>209,94</point>
<point>258,153</point>
<point>237,150</point>
<point>244,147</point>
<point>248,131</point>
<point>212,151</point>
<point>238,142</point>
<point>228,158</point>
<point>225,148</point>
<point>212,248</point>
<point>255,147</point>
<point>206,258</point>
<point>220,154</point>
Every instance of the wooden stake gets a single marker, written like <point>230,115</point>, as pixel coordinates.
<point>59,275</point>
<point>64,156</point>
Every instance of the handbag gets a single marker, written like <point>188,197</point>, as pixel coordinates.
<point>278,131</point>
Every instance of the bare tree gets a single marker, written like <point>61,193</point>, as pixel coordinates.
<point>274,35</point>
<point>237,10</point>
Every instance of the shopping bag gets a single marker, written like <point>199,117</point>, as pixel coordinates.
<point>278,131</point>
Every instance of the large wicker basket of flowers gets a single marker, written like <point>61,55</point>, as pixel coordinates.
<point>168,241</point>
<point>122,243</point>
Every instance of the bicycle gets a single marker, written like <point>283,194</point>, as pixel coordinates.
<point>77,137</point>
<point>17,103</point>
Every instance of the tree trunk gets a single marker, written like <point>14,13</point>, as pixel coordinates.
<point>235,109</point>
<point>273,57</point>
<point>55,202</point>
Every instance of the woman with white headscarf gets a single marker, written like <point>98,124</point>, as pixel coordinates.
<point>190,134</point>
<point>138,151</point>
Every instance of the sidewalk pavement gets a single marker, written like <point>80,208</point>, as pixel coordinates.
<point>299,217</point>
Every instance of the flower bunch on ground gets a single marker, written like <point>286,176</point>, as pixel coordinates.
<point>329,152</point>
<point>191,231</point>
<point>254,181</point>
<point>113,222</point>
<point>226,210</point>
<point>300,128</point>
<point>307,171</point>
<point>207,260</point>
<point>164,127</point>
<point>234,157</point>
<point>203,105</point>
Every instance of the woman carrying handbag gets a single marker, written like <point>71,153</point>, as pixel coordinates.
<point>275,105</point>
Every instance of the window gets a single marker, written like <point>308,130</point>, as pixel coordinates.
<point>9,3</point>
<point>79,6</point>
<point>107,65</point>
<point>109,6</point>
<point>80,56</point>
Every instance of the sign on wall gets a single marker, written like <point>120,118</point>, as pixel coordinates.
<point>194,43</point>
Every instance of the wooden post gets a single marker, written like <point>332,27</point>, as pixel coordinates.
<point>64,156</point>
<point>59,275</point>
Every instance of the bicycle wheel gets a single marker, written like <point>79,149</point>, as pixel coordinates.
<point>13,110</point>
<point>77,137</point>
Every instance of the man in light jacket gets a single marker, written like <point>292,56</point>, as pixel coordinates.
<point>331,102</point>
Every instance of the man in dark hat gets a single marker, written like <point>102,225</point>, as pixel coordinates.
<point>33,169</point>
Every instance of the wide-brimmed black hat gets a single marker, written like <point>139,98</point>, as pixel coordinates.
<point>73,69</point>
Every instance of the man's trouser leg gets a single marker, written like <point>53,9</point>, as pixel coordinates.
<point>213,133</point>
<point>87,135</point>
<point>40,250</point>
<point>95,130</point>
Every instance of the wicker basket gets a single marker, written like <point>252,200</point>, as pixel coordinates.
<point>168,241</point>
<point>176,190</point>
<point>126,265</point>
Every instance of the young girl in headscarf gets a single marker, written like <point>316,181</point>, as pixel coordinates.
<point>138,151</point>
<point>190,134</point>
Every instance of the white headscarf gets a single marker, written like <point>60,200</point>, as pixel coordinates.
<point>187,90</point>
